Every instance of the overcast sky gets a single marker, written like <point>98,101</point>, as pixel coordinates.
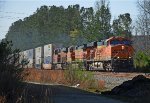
<point>13,10</point>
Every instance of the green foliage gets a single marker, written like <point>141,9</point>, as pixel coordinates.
<point>87,26</point>
<point>66,26</point>
<point>47,25</point>
<point>102,19</point>
<point>74,74</point>
<point>122,25</point>
<point>142,61</point>
<point>10,71</point>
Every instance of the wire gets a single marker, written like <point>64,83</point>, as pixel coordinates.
<point>11,17</point>
<point>13,12</point>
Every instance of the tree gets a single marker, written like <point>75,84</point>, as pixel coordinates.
<point>143,25</point>
<point>122,25</point>
<point>73,23</point>
<point>10,72</point>
<point>87,20</point>
<point>144,5</point>
<point>49,24</point>
<point>102,20</point>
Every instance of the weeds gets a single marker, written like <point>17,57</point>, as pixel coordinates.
<point>75,74</point>
<point>142,62</point>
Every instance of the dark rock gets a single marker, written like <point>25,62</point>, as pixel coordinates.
<point>137,87</point>
<point>140,78</point>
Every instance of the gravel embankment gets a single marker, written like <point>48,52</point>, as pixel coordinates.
<point>112,80</point>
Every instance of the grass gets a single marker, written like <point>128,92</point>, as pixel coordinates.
<point>32,93</point>
<point>77,75</point>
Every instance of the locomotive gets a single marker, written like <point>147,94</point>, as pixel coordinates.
<point>112,54</point>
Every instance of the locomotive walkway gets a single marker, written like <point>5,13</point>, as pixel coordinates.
<point>39,93</point>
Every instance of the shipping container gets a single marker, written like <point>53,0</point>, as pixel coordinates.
<point>21,57</point>
<point>38,57</point>
<point>28,54</point>
<point>48,53</point>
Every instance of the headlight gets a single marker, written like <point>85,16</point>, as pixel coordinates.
<point>118,57</point>
<point>129,57</point>
<point>122,47</point>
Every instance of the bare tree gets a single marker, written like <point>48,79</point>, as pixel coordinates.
<point>143,26</point>
<point>144,5</point>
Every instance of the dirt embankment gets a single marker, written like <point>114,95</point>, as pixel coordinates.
<point>44,76</point>
<point>57,77</point>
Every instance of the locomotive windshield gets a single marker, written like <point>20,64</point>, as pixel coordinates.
<point>116,42</point>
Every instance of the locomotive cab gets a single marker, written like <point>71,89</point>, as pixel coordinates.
<point>121,51</point>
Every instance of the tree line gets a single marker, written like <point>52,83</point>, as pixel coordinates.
<point>142,35</point>
<point>73,25</point>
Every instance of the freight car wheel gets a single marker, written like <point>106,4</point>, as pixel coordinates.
<point>108,67</point>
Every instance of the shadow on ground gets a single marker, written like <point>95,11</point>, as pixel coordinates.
<point>36,93</point>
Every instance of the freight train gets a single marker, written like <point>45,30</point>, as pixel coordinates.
<point>112,54</point>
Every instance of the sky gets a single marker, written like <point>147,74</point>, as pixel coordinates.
<point>13,10</point>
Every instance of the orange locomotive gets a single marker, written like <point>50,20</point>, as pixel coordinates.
<point>57,58</point>
<point>113,54</point>
<point>80,53</point>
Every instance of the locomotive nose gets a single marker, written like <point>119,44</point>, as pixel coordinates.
<point>121,51</point>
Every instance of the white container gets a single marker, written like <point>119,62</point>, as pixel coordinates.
<point>48,53</point>
<point>21,57</point>
<point>29,56</point>
<point>38,57</point>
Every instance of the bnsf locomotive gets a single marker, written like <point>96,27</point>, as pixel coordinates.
<point>112,54</point>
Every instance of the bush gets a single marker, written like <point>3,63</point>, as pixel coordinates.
<point>142,61</point>
<point>10,72</point>
<point>74,74</point>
